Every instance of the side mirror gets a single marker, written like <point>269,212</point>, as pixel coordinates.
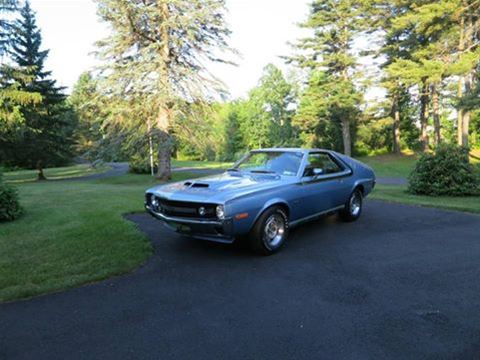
<point>317,171</point>
<point>311,171</point>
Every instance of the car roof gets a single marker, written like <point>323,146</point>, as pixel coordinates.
<point>303,150</point>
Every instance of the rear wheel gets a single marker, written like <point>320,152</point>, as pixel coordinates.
<point>270,231</point>
<point>353,206</point>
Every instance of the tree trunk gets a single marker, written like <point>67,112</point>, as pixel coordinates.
<point>466,114</point>
<point>424,111</point>
<point>461,48</point>
<point>436,114</point>
<point>40,174</point>
<point>150,148</point>
<point>165,146</point>
<point>468,39</point>
<point>347,141</point>
<point>396,125</point>
<point>460,112</point>
<point>165,111</point>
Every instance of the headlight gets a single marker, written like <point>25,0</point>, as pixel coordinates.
<point>220,212</point>
<point>154,201</point>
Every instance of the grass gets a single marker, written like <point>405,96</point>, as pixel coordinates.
<point>399,194</point>
<point>72,233</point>
<point>390,165</point>
<point>23,176</point>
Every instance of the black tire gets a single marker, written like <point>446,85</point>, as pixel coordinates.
<point>276,220</point>
<point>353,206</point>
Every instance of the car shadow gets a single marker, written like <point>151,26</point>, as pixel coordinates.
<point>164,240</point>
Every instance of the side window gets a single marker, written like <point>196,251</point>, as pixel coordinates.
<point>321,164</point>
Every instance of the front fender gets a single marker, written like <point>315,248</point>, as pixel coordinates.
<point>270,203</point>
<point>254,206</point>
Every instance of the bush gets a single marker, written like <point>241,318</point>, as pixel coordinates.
<point>9,207</point>
<point>140,165</point>
<point>446,172</point>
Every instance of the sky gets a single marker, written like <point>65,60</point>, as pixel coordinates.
<point>261,30</point>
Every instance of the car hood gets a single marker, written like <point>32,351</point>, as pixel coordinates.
<point>218,188</point>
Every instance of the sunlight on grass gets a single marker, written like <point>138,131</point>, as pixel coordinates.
<point>399,194</point>
<point>24,176</point>
<point>390,165</point>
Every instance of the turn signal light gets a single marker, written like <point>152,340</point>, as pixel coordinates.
<point>241,216</point>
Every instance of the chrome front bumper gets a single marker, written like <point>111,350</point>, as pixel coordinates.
<point>212,230</point>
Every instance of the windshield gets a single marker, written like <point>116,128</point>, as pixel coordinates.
<point>266,162</point>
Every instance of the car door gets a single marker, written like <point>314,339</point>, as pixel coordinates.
<point>323,183</point>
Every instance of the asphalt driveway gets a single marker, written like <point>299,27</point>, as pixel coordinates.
<point>402,282</point>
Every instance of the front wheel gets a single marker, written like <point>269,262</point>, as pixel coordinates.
<point>353,207</point>
<point>270,231</point>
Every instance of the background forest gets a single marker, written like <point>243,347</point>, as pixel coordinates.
<point>372,77</point>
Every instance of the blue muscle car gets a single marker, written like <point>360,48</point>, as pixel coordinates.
<point>263,195</point>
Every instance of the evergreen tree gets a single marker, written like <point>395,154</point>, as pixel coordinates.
<point>6,7</point>
<point>48,124</point>
<point>441,40</point>
<point>335,24</point>
<point>156,57</point>
<point>91,108</point>
<point>323,107</point>
<point>11,97</point>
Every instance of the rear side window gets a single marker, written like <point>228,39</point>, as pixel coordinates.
<point>323,162</point>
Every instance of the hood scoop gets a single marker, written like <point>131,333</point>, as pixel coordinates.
<point>196,184</point>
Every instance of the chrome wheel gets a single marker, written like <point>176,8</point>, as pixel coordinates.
<point>355,204</point>
<point>274,230</point>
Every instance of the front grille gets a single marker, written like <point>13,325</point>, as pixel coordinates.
<point>183,208</point>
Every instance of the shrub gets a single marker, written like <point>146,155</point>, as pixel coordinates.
<point>140,165</point>
<point>446,172</point>
<point>9,207</point>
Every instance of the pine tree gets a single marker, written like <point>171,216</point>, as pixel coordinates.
<point>324,105</point>
<point>91,108</point>
<point>6,7</point>
<point>48,124</point>
<point>157,55</point>
<point>11,97</point>
<point>466,60</point>
<point>440,40</point>
<point>335,25</point>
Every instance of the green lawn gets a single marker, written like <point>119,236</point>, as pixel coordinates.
<point>23,176</point>
<point>72,233</point>
<point>390,165</point>
<point>399,194</point>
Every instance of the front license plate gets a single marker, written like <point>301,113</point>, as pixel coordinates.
<point>184,228</point>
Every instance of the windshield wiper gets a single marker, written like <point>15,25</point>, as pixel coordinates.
<point>232,169</point>
<point>262,172</point>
